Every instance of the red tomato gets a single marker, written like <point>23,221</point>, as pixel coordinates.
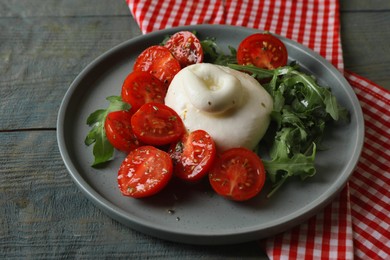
<point>157,124</point>
<point>144,172</point>
<point>193,155</point>
<point>158,61</point>
<point>238,174</point>
<point>119,132</point>
<point>141,87</point>
<point>262,50</point>
<point>186,48</point>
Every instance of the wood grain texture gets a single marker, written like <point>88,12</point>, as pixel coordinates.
<point>40,57</point>
<point>366,45</point>
<point>44,45</point>
<point>364,5</point>
<point>41,8</point>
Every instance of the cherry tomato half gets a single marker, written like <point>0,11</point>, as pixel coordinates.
<point>158,61</point>
<point>262,50</point>
<point>144,172</point>
<point>193,155</point>
<point>141,87</point>
<point>186,48</point>
<point>238,174</point>
<point>157,124</point>
<point>119,132</point>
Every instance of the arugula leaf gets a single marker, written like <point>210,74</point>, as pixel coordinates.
<point>281,167</point>
<point>214,54</point>
<point>260,73</point>
<point>302,110</point>
<point>102,149</point>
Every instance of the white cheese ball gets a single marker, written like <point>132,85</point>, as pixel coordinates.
<point>230,105</point>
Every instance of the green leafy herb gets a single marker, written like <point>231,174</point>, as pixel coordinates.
<point>214,54</point>
<point>302,110</point>
<point>102,149</point>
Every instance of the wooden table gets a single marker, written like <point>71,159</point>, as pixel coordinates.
<point>43,46</point>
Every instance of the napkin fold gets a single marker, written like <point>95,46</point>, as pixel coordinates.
<point>357,223</point>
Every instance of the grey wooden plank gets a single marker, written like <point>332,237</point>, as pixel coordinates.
<point>40,57</point>
<point>364,5</point>
<point>28,8</point>
<point>38,8</point>
<point>366,48</point>
<point>43,214</point>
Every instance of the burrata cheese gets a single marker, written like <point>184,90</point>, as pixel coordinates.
<point>230,105</point>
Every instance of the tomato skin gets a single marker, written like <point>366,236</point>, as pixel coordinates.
<point>186,48</point>
<point>238,174</point>
<point>193,155</point>
<point>262,50</point>
<point>119,131</point>
<point>141,87</point>
<point>144,172</point>
<point>158,61</point>
<point>157,124</point>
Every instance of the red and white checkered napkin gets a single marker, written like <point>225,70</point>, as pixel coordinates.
<point>357,223</point>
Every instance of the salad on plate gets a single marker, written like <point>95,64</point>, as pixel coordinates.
<point>188,110</point>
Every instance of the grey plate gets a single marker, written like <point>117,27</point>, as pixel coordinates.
<point>194,214</point>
